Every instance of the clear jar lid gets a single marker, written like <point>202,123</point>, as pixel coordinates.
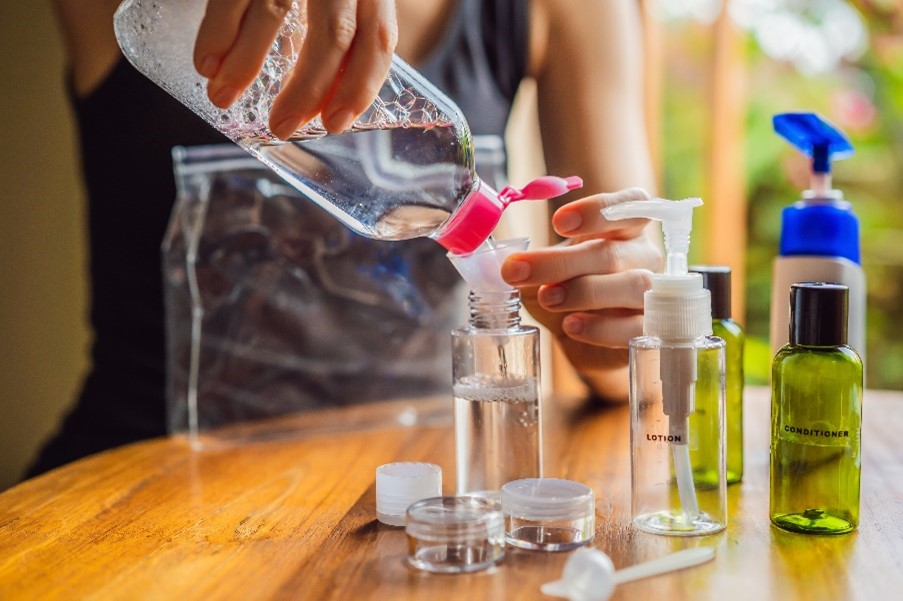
<point>398,485</point>
<point>547,499</point>
<point>462,520</point>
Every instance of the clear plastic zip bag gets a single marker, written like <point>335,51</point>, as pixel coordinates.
<point>282,322</point>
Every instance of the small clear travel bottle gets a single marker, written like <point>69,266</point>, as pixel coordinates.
<point>677,448</point>
<point>676,390</point>
<point>816,417</point>
<point>495,372</point>
<point>717,280</point>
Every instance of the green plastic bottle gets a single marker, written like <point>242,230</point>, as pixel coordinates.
<point>717,279</point>
<point>816,416</point>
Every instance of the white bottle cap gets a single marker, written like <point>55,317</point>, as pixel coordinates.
<point>677,308</point>
<point>399,485</point>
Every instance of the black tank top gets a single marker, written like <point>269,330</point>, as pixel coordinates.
<point>128,127</point>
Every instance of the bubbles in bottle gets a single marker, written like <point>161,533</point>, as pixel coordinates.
<point>496,388</point>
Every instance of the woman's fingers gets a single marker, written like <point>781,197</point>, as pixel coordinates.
<point>333,25</point>
<point>594,292</point>
<point>610,329</point>
<point>583,217</point>
<point>367,64</point>
<point>341,64</point>
<point>589,290</point>
<point>233,42</point>
<point>561,263</point>
<point>217,34</point>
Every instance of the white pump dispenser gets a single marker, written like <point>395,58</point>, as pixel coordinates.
<point>676,325</point>
<point>678,308</point>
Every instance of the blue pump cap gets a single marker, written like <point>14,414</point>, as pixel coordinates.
<point>814,137</point>
<point>828,229</point>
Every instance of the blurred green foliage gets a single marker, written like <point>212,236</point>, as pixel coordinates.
<point>865,99</point>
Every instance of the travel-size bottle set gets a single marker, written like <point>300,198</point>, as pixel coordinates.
<point>687,369</point>
<point>686,396</point>
<point>405,169</point>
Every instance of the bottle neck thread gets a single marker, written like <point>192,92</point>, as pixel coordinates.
<point>495,310</point>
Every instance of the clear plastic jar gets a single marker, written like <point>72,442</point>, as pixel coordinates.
<point>453,535</point>
<point>548,514</point>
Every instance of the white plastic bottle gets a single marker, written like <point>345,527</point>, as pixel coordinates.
<point>819,233</point>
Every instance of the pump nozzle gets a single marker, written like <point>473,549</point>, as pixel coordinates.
<point>678,308</point>
<point>677,223</point>
<point>815,138</point>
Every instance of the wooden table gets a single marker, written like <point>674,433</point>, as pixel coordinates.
<point>296,520</point>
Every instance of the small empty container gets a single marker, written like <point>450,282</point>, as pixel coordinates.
<point>453,535</point>
<point>398,485</point>
<point>548,514</point>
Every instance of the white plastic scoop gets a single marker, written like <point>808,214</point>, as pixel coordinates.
<point>589,574</point>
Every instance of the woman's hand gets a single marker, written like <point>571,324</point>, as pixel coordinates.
<point>341,65</point>
<point>588,290</point>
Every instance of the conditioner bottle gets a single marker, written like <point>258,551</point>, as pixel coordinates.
<point>816,413</point>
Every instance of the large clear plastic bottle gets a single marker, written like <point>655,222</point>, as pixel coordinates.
<point>401,171</point>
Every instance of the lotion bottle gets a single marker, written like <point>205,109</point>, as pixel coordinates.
<point>678,484</point>
<point>820,232</point>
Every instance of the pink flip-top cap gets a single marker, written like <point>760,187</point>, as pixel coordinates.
<point>478,215</point>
